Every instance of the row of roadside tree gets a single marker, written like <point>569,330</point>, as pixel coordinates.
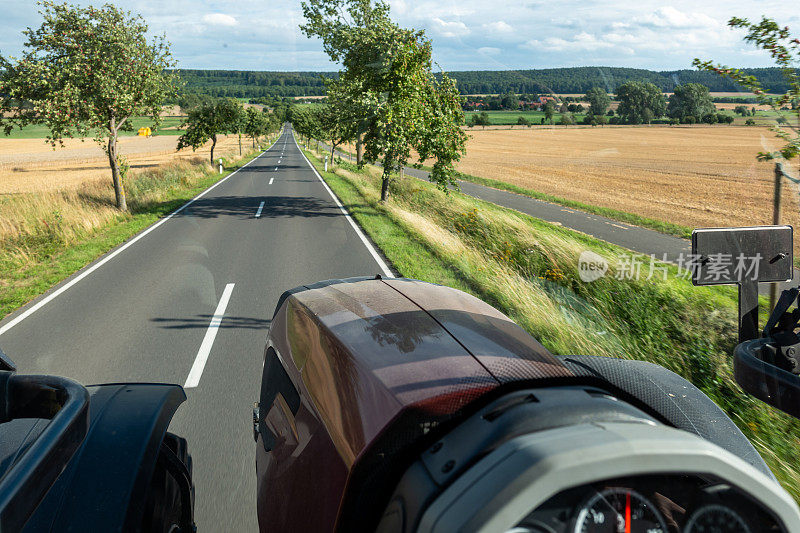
<point>211,118</point>
<point>386,98</point>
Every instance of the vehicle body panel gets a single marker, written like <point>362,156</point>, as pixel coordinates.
<point>375,365</point>
<point>104,486</point>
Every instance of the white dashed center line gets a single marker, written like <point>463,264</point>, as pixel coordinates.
<point>208,341</point>
<point>260,207</point>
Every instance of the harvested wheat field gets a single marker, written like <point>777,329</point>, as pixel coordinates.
<point>32,165</point>
<point>693,176</point>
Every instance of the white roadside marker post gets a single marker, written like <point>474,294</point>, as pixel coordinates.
<point>220,165</point>
<point>326,163</point>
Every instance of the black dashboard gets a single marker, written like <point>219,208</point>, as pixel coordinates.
<point>651,504</point>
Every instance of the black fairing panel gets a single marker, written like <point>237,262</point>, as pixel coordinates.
<point>669,397</point>
<point>104,486</point>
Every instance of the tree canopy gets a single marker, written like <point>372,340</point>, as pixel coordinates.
<point>598,101</point>
<point>639,103</point>
<point>690,99</point>
<point>85,72</point>
<point>407,107</point>
<point>258,123</point>
<point>209,120</point>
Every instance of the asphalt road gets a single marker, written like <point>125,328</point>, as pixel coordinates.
<point>144,314</point>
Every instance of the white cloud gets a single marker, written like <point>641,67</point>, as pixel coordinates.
<point>220,19</point>
<point>499,27</point>
<point>489,50</point>
<point>669,17</point>
<point>450,29</point>
<point>581,42</point>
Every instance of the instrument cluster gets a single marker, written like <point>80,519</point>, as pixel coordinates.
<point>651,504</point>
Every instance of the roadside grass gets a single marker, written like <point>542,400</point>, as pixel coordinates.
<point>527,268</point>
<point>46,237</point>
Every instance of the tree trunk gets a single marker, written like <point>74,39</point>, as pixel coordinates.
<point>213,145</point>
<point>385,182</point>
<point>333,148</point>
<point>359,149</point>
<point>119,187</point>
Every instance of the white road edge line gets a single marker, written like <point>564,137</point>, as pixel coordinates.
<point>271,180</point>
<point>208,341</point>
<point>64,288</point>
<point>260,207</point>
<point>383,266</point>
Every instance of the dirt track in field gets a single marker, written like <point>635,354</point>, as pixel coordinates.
<point>694,176</point>
<point>31,165</point>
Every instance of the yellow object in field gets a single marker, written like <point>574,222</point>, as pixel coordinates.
<point>145,132</point>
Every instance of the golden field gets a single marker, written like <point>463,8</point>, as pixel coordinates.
<point>693,176</point>
<point>53,199</point>
<point>32,165</point>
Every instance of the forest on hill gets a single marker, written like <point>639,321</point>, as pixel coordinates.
<point>259,84</point>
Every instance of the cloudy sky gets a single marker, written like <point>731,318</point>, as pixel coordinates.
<point>467,34</point>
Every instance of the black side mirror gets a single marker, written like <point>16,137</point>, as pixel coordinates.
<point>765,364</point>
<point>6,363</point>
<point>765,380</point>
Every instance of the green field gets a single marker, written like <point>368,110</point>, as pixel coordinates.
<point>509,118</point>
<point>37,131</point>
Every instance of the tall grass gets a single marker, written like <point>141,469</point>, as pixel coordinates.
<point>529,269</point>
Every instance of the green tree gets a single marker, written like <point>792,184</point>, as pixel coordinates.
<point>354,108</point>
<point>640,102</point>
<point>482,119</point>
<point>256,124</point>
<point>522,121</point>
<point>187,102</point>
<point>598,101</point>
<point>567,119</point>
<point>690,99</point>
<point>393,65</point>
<point>87,71</point>
<point>510,101</point>
<point>549,111</point>
<point>785,51</point>
<point>208,121</point>
<point>306,122</point>
<point>336,129</point>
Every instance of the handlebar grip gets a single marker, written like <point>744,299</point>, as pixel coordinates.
<point>66,404</point>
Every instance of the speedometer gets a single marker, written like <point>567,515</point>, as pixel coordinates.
<point>619,510</point>
<point>716,519</point>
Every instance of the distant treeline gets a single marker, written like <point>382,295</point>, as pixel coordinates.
<point>578,80</point>
<point>253,84</point>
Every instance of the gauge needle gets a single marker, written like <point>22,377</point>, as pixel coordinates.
<point>628,512</point>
